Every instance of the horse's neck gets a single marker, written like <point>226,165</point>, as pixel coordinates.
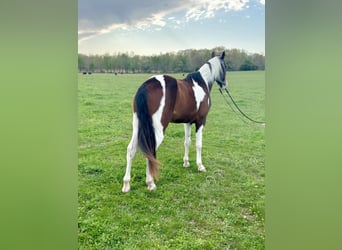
<point>207,75</point>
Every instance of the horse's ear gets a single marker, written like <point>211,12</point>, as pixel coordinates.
<point>212,54</point>
<point>223,54</point>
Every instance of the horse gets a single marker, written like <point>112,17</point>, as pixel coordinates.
<point>163,99</point>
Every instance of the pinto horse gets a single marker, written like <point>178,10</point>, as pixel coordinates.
<point>163,99</point>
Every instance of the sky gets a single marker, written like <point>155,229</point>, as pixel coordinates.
<point>148,27</point>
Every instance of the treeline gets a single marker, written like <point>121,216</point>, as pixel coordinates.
<point>177,62</point>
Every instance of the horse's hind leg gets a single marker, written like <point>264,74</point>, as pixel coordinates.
<point>159,134</point>
<point>149,178</point>
<point>187,142</point>
<point>131,150</point>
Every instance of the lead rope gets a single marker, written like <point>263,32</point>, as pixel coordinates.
<point>225,98</point>
<point>246,116</point>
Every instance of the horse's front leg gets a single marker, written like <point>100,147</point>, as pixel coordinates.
<point>187,142</point>
<point>200,166</point>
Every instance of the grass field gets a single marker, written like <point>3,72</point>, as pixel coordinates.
<point>222,208</point>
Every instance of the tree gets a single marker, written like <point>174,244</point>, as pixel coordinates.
<point>181,61</point>
<point>259,61</point>
<point>107,62</point>
<point>236,58</point>
<point>248,65</point>
<point>82,62</point>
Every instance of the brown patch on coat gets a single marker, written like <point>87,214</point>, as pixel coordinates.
<point>155,93</point>
<point>185,110</point>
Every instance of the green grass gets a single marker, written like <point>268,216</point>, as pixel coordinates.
<point>222,208</point>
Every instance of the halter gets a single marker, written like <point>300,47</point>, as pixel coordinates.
<point>223,84</point>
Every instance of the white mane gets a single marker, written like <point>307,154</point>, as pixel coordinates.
<point>211,70</point>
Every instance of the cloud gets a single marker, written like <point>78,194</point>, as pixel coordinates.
<point>103,16</point>
<point>207,8</point>
<point>103,13</point>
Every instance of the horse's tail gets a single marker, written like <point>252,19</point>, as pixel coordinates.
<point>146,134</point>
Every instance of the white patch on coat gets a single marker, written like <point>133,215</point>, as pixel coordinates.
<point>156,117</point>
<point>199,93</point>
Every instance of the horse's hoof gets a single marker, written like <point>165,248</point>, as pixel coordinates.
<point>186,164</point>
<point>151,186</point>
<point>126,187</point>
<point>202,169</point>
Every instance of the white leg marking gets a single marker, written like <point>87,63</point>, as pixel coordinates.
<point>131,150</point>
<point>149,179</point>
<point>199,93</point>
<point>156,117</point>
<point>187,143</point>
<point>200,166</point>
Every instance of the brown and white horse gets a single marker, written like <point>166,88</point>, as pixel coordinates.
<point>163,99</point>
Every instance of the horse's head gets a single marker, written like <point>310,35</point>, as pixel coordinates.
<point>218,67</point>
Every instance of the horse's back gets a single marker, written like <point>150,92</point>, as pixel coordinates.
<point>160,92</point>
